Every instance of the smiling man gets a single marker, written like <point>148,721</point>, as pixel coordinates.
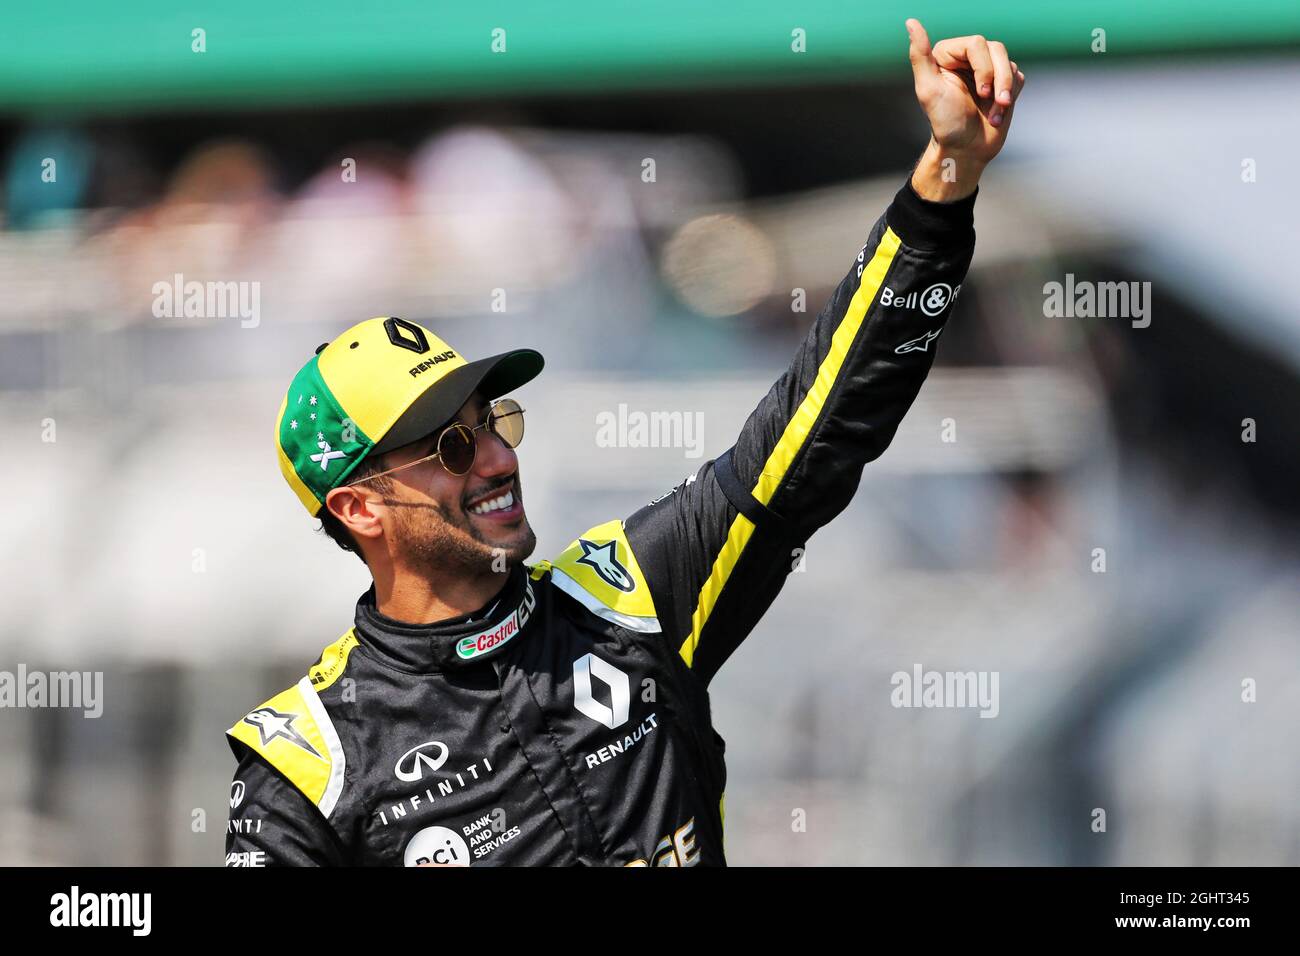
<point>481,710</point>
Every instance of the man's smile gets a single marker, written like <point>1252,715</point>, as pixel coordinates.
<point>500,505</point>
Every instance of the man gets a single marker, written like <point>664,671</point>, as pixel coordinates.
<point>484,711</point>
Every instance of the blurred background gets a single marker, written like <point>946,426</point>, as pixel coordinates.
<point>638,191</point>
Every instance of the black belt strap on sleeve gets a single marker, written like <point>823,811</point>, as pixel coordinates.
<point>744,502</point>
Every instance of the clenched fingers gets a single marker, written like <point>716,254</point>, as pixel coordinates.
<point>1016,86</point>
<point>968,54</point>
<point>1002,72</point>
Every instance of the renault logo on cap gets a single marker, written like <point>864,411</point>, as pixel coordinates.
<point>431,361</point>
<point>417,343</point>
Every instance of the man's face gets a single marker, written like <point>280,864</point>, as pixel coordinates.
<point>438,519</point>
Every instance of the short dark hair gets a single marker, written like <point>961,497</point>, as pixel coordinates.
<point>334,529</point>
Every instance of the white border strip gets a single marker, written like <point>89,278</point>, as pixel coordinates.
<point>642,625</point>
<point>337,762</point>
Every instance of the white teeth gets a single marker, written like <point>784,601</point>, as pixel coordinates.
<point>494,504</point>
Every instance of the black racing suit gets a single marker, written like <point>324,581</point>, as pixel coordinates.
<point>569,722</point>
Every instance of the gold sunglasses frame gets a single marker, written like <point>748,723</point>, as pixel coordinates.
<point>473,439</point>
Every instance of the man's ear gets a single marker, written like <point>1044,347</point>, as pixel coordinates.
<point>351,506</point>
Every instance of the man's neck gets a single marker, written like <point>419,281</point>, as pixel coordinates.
<point>413,599</point>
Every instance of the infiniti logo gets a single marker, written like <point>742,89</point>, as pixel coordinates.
<point>411,765</point>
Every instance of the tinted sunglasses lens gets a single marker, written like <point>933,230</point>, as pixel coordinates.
<point>507,422</point>
<point>456,446</point>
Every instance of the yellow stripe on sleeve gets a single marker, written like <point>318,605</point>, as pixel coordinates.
<point>793,437</point>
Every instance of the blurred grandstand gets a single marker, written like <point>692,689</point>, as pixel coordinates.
<point>156,541</point>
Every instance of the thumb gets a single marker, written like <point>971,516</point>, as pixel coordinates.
<point>923,65</point>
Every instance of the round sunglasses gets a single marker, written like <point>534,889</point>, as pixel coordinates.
<point>458,445</point>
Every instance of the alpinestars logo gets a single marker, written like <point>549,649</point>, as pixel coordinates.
<point>603,559</point>
<point>921,344</point>
<point>270,723</point>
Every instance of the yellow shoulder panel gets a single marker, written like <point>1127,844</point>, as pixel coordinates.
<point>294,734</point>
<point>333,661</point>
<point>600,571</point>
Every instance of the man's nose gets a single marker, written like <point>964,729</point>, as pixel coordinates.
<point>493,456</point>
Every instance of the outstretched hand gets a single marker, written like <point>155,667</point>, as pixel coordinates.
<point>968,88</point>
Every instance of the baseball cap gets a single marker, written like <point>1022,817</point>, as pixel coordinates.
<point>380,385</point>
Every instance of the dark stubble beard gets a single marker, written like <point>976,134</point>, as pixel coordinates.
<point>440,540</point>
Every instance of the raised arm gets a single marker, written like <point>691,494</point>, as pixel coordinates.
<point>716,551</point>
